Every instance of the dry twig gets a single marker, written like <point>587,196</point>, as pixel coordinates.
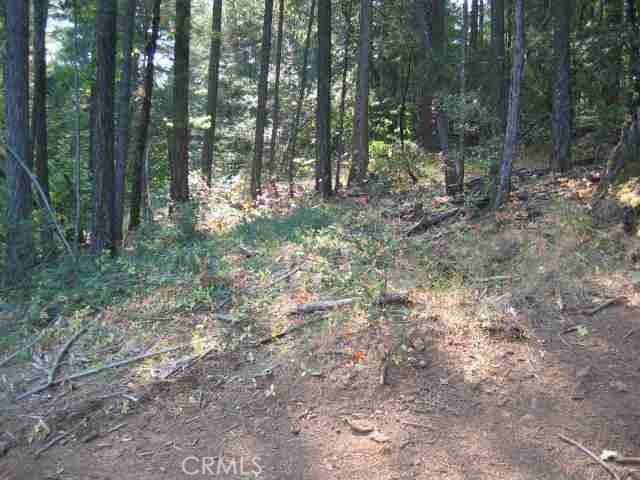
<point>590,454</point>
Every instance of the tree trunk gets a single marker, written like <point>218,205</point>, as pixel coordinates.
<point>261,115</point>
<point>634,57</point>
<point>473,45</point>
<point>324,97</point>
<point>181,101</point>
<point>103,179</point>
<point>39,116</point>
<point>19,226</point>
<point>290,154</point>
<point>340,147</point>
<point>460,162</point>
<point>276,91</point>
<point>124,111</point>
<point>360,140</point>
<point>77,231</point>
<point>561,118</point>
<point>212,91</point>
<point>513,117</point>
<point>138,185</point>
<point>498,48</point>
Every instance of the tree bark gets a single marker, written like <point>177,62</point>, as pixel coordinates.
<point>124,113</point>
<point>324,97</point>
<point>39,115</point>
<point>290,153</point>
<point>360,141</point>
<point>513,117</point>
<point>19,225</point>
<point>561,118</point>
<point>181,101</point>
<point>276,91</point>
<point>340,147</point>
<point>139,179</point>
<point>498,48</point>
<point>103,179</point>
<point>634,58</point>
<point>261,115</point>
<point>212,91</point>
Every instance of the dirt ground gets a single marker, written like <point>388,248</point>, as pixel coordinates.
<point>438,420</point>
<point>458,403</point>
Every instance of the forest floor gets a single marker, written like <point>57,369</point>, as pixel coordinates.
<point>522,325</point>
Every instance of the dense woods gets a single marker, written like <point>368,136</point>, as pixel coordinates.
<point>108,104</point>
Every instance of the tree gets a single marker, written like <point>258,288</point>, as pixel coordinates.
<point>360,142</point>
<point>340,148</point>
<point>261,114</point>
<point>181,102</point>
<point>323,122</point>
<point>103,178</point>
<point>561,118</point>
<point>290,153</point>
<point>513,117</point>
<point>212,91</point>
<point>124,107</point>
<point>138,179</point>
<point>276,90</point>
<point>19,234</point>
<point>39,115</point>
<point>498,50</point>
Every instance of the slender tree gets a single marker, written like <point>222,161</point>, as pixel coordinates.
<point>181,101</point>
<point>212,91</point>
<point>360,142</point>
<point>513,117</point>
<point>290,153</point>
<point>561,118</point>
<point>276,90</point>
<point>39,115</point>
<point>19,225</point>
<point>103,179</point>
<point>263,86</point>
<point>138,179</point>
<point>124,108</point>
<point>323,123</point>
<point>340,147</point>
<point>498,53</point>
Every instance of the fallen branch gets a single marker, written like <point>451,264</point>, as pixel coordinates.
<point>289,331</point>
<point>429,221</point>
<point>51,443</point>
<point>590,454</point>
<point>604,305</point>
<point>94,371</point>
<point>26,347</point>
<point>393,299</point>
<point>320,306</point>
<point>62,353</point>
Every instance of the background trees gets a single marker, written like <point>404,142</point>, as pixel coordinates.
<point>207,73</point>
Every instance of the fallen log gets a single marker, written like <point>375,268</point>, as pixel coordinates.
<point>429,221</point>
<point>321,306</point>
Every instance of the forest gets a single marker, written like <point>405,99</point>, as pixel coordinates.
<point>320,239</point>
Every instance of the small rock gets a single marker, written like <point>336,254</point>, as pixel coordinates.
<point>422,364</point>
<point>378,437</point>
<point>620,386</point>
<point>584,373</point>
<point>418,344</point>
<point>361,426</point>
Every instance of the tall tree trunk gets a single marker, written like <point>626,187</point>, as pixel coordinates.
<point>498,50</point>
<point>212,91</point>
<point>77,233</point>
<point>473,45</point>
<point>138,185</point>
<point>276,91</point>
<point>19,225</point>
<point>360,141</point>
<point>290,153</point>
<point>124,112</point>
<point>481,24</point>
<point>460,163</point>
<point>402,117</point>
<point>181,101</point>
<point>340,147</point>
<point>513,117</point>
<point>612,92</point>
<point>324,97</point>
<point>103,179</point>
<point>39,115</point>
<point>561,118</point>
<point>634,57</point>
<point>263,87</point>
